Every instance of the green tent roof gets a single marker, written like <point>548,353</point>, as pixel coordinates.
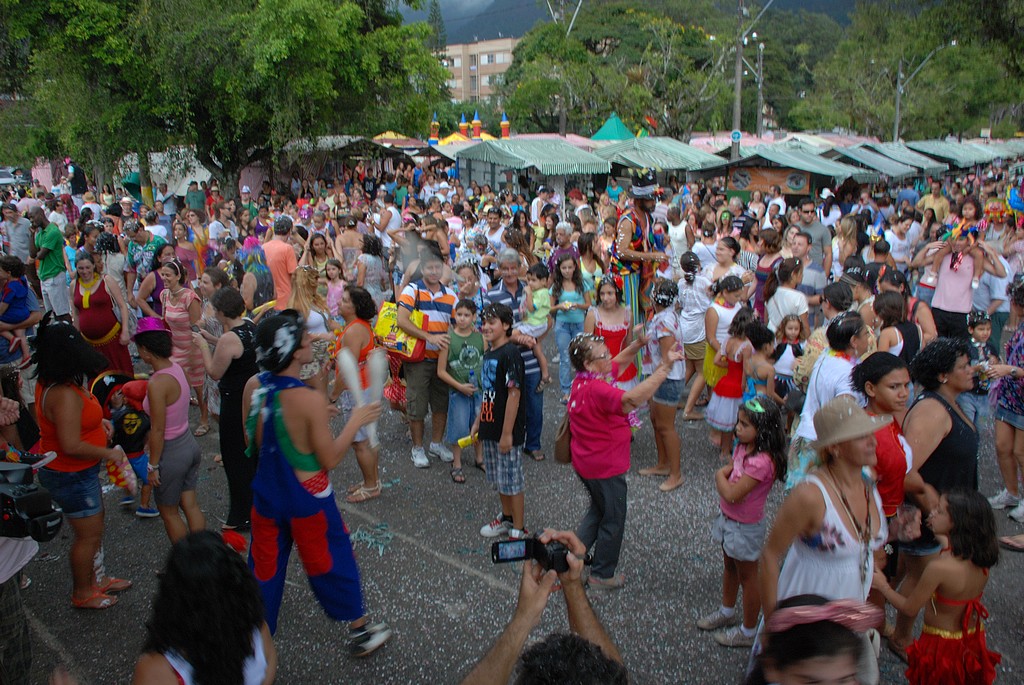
<point>657,152</point>
<point>801,161</point>
<point>860,156</point>
<point>613,129</point>
<point>904,155</point>
<point>957,154</point>
<point>549,157</point>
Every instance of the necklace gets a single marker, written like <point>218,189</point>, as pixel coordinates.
<point>85,288</point>
<point>864,534</point>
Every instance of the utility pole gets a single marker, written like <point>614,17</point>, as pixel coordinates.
<point>737,87</point>
<point>760,90</point>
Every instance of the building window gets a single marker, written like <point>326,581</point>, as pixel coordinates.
<point>489,58</point>
<point>472,60</point>
<point>502,57</point>
<point>456,62</point>
<point>472,84</point>
<point>485,80</point>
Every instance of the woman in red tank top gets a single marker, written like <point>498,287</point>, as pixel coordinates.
<point>611,321</point>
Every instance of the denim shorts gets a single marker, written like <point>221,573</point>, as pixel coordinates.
<point>76,492</point>
<point>740,541</point>
<point>1007,416</point>
<point>462,412</point>
<point>669,392</point>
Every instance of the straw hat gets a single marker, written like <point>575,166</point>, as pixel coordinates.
<point>843,419</point>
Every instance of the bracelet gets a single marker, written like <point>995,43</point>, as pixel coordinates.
<point>152,467</point>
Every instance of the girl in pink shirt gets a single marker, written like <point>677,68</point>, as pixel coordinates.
<point>758,459</point>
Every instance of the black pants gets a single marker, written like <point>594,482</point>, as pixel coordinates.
<point>238,468</point>
<point>950,324</point>
<point>604,523</point>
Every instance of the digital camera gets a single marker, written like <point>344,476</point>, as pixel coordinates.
<point>26,509</point>
<point>553,555</point>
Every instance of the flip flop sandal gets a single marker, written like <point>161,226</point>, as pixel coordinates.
<point>480,465</point>
<point>536,456</point>
<point>96,601</point>
<point>115,585</point>
<point>457,476</point>
<point>201,431</point>
<point>353,488</point>
<point>363,494</point>
<point>1010,546</point>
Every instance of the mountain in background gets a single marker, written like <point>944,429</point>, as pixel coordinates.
<point>467,21</point>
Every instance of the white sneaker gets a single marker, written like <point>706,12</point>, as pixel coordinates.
<point>516,534</point>
<point>499,526</point>
<point>419,458</point>
<point>1004,500</point>
<point>1017,513</point>
<point>441,452</point>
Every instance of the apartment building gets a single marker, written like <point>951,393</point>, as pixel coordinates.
<point>473,67</point>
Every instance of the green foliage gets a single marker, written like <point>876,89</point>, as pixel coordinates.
<point>439,35</point>
<point>114,76</point>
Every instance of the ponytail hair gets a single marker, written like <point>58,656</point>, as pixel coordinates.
<point>690,265</point>
<point>782,272</point>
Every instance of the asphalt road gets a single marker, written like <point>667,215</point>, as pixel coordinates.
<point>427,572</point>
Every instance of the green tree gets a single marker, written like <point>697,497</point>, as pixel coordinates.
<point>439,36</point>
<point>238,83</point>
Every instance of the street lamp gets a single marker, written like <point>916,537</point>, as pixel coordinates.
<point>901,84</point>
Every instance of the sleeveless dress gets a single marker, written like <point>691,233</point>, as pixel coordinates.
<point>375,276</point>
<point>725,398</point>
<point>183,352</point>
<point>614,339</point>
<point>238,469</point>
<point>832,563</point>
<point>761,277</point>
<point>100,327</point>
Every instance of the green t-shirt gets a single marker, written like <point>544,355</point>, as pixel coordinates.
<point>195,199</point>
<point>541,308</point>
<point>53,263</point>
<point>466,354</point>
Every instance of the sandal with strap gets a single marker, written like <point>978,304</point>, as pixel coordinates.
<point>363,494</point>
<point>96,601</point>
<point>201,430</point>
<point>457,476</point>
<point>355,488</point>
<point>115,585</point>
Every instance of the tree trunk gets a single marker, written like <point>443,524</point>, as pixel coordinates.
<point>145,179</point>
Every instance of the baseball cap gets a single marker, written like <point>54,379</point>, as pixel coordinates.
<point>245,189</point>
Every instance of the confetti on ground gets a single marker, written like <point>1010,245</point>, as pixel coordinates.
<point>378,537</point>
<point>391,483</point>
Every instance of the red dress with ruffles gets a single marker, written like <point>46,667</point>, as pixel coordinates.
<point>942,657</point>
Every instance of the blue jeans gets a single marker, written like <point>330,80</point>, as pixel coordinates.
<point>564,333</point>
<point>534,411</point>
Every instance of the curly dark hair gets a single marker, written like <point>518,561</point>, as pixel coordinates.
<point>227,301</point>
<point>12,265</point>
<point>739,323</point>
<point>62,355</point>
<point>373,246</point>
<point>568,658</point>
<point>937,357</point>
<point>206,589</point>
<point>769,420</point>
<point>363,302</point>
<point>1015,290</point>
<point>843,329</point>
<point>973,536</point>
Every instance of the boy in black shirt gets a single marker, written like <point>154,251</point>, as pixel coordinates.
<point>502,421</point>
<point>982,352</point>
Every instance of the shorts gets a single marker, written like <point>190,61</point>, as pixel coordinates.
<point>424,388</point>
<point>76,492</point>
<point>695,351</point>
<point>347,405</point>
<point>504,469</point>
<point>951,324</point>
<point>56,295</point>
<point>740,541</point>
<point>669,392</point>
<point>974,406</point>
<point>179,469</point>
<point>1008,417</point>
<point>462,412</point>
<point>532,330</point>
<point>920,547</point>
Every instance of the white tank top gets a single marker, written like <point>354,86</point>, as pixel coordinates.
<point>725,317</point>
<point>832,564</point>
<point>254,669</point>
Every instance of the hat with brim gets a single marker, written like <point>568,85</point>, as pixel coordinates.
<point>843,419</point>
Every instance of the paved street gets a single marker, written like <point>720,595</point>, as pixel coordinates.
<point>427,572</point>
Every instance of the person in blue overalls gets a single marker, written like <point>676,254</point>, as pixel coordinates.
<point>288,430</point>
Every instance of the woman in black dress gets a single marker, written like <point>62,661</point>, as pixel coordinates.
<point>232,363</point>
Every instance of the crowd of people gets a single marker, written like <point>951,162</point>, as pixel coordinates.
<point>849,347</point>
